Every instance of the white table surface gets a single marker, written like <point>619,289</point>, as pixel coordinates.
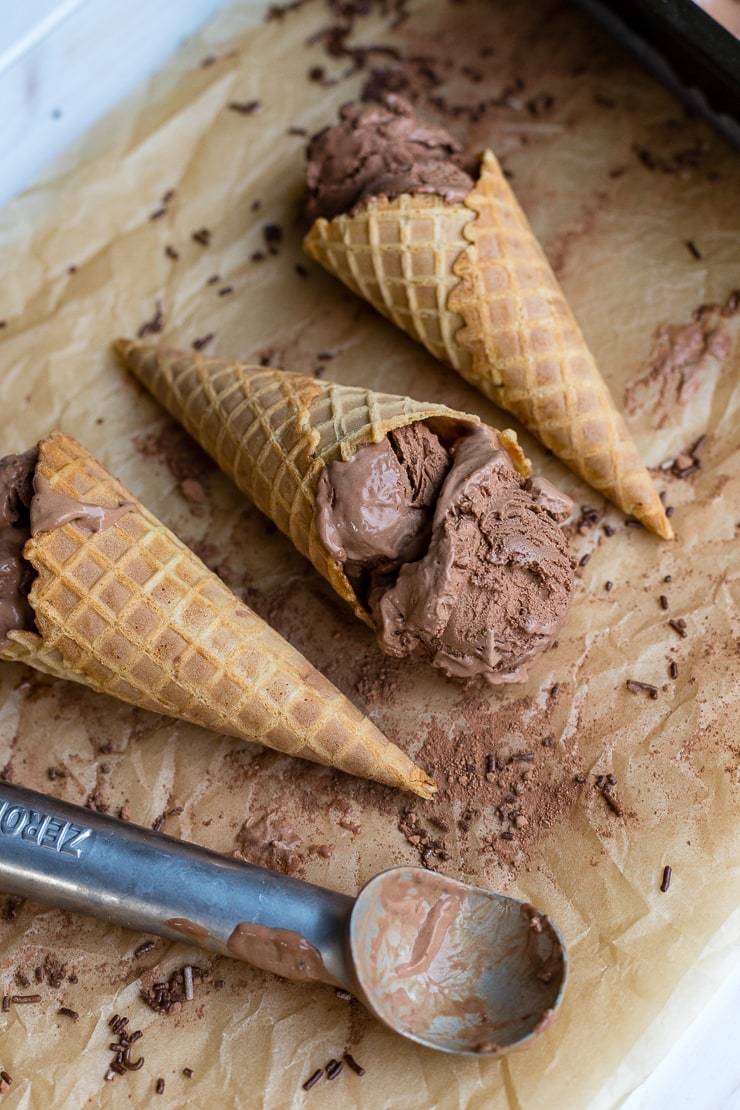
<point>63,65</point>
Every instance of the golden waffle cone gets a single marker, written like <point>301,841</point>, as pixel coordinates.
<point>132,612</point>
<point>273,432</point>
<point>470,282</point>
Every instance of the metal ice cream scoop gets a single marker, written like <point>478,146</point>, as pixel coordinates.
<point>447,965</point>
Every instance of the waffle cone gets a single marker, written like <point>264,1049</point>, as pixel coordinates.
<point>470,282</point>
<point>132,612</point>
<point>273,432</point>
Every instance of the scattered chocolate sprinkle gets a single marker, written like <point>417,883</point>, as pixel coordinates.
<point>610,800</point>
<point>273,234</point>
<point>333,1069</point>
<point>171,253</point>
<point>3,324</point>
<point>666,880</point>
<point>7,1079</point>
<point>199,344</point>
<point>5,1004</point>
<point>159,1088</point>
<point>225,290</point>
<point>555,690</point>
<point>153,326</point>
<point>352,1063</point>
<point>673,669</point>
<point>693,249</point>
<point>71,269</point>
<point>669,511</point>
<point>188,1073</point>
<point>668,578</point>
<point>158,213</point>
<point>678,627</point>
<point>202,236</point>
<point>663,601</point>
<point>118,1067</point>
<point>608,586</point>
<point>24,999</point>
<point>343,994</point>
<point>142,950</point>
<point>316,74</point>
<point>258,256</point>
<point>584,559</point>
<point>67,1012</point>
<point>313,1079</point>
<point>608,530</point>
<point>168,996</point>
<point>213,279</point>
<point>298,131</point>
<point>168,196</point>
<point>245,107</point>
<point>300,270</point>
<point>209,60</point>
<point>635,687</point>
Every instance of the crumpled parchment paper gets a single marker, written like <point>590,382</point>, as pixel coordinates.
<point>616,179</point>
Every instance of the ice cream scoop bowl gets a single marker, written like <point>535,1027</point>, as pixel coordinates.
<point>450,966</point>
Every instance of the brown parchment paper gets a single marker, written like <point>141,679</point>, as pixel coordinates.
<point>616,179</point>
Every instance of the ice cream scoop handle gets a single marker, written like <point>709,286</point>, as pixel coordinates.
<point>90,863</point>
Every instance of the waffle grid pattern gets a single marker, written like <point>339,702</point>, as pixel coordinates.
<point>529,356</point>
<point>478,292</point>
<point>132,612</point>
<point>273,433</point>
<point>399,256</point>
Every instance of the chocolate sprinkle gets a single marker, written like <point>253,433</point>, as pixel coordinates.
<point>584,559</point>
<point>313,1079</point>
<point>635,687</point>
<point>677,626</point>
<point>693,249</point>
<point>142,950</point>
<point>67,1012</point>
<point>202,236</point>
<point>333,1069</point>
<point>188,1073</point>
<point>8,1079</point>
<point>153,326</point>
<point>352,1063</point>
<point>25,999</point>
<point>673,669</point>
<point>159,1089</point>
<point>171,253</point>
<point>663,601</point>
<point>608,586</point>
<point>199,344</point>
<point>246,107</point>
<point>666,880</point>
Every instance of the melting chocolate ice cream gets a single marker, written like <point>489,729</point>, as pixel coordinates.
<point>381,150</point>
<point>458,558</point>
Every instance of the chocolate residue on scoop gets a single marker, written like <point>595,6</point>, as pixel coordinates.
<point>16,575</point>
<point>470,570</point>
<point>381,150</point>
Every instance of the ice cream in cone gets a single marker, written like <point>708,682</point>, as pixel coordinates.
<point>453,262</point>
<point>104,594</point>
<point>391,499</point>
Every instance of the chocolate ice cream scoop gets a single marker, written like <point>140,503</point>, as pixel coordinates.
<point>381,150</point>
<point>458,557</point>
